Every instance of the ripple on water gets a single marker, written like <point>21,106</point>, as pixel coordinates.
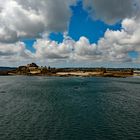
<point>71,108</point>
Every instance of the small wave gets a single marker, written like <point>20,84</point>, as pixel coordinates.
<point>2,91</point>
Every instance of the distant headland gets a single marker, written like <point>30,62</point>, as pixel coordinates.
<point>35,70</point>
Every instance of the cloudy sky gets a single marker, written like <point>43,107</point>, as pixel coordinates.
<point>70,33</point>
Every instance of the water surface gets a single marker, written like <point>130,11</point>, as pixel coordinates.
<point>69,108</point>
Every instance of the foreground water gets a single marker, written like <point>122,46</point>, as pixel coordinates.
<point>54,108</point>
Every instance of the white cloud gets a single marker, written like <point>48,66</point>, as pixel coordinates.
<point>113,47</point>
<point>86,51</point>
<point>112,11</point>
<point>14,54</point>
<point>30,18</point>
<point>47,49</point>
<point>117,44</point>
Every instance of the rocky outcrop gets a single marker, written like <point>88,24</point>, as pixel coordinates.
<point>29,69</point>
<point>34,69</point>
<point>34,65</point>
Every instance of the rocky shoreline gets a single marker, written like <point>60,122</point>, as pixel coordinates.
<point>34,70</point>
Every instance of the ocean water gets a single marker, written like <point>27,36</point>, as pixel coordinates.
<point>69,108</point>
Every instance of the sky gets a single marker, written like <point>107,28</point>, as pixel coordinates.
<point>70,33</point>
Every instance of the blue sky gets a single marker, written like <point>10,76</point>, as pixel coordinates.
<point>81,24</point>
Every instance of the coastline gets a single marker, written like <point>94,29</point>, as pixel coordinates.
<point>72,74</point>
<point>34,70</point>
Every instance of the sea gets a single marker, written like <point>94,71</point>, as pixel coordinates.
<point>69,108</point>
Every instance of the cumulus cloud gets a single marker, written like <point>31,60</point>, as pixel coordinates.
<point>30,18</point>
<point>7,35</point>
<point>83,50</point>
<point>114,46</point>
<point>47,49</point>
<point>112,11</point>
<point>68,50</point>
<point>14,53</point>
